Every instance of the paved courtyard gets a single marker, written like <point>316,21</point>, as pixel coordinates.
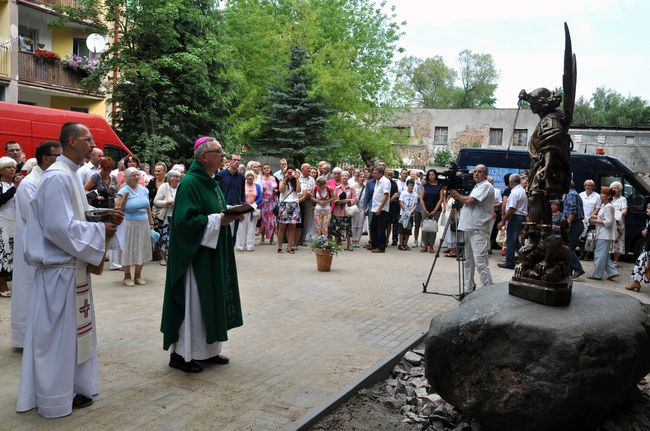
<point>306,335</point>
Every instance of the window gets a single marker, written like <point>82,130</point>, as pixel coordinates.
<point>635,197</point>
<point>629,140</point>
<point>27,39</point>
<point>3,92</point>
<point>404,132</point>
<point>440,135</point>
<point>79,47</point>
<point>519,138</point>
<point>496,137</point>
<point>79,109</point>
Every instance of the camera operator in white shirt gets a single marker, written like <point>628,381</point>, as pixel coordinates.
<point>476,222</point>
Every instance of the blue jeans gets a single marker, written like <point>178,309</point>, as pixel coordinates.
<point>602,262</point>
<point>575,229</point>
<point>512,237</point>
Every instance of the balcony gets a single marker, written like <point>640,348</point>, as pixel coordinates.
<point>70,3</point>
<point>4,61</point>
<point>47,75</point>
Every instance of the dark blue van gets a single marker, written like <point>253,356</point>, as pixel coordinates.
<point>603,170</point>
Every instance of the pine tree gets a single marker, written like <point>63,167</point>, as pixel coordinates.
<point>295,124</point>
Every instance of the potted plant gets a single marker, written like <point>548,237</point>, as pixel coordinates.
<point>80,64</point>
<point>45,56</point>
<point>325,249</point>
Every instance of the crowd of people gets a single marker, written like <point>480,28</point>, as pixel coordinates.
<point>49,248</point>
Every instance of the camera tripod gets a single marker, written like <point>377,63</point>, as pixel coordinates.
<point>460,258</point>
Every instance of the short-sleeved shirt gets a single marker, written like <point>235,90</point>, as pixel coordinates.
<point>590,203</point>
<point>518,200</point>
<point>479,215</point>
<point>410,201</point>
<point>137,204</point>
<point>381,188</point>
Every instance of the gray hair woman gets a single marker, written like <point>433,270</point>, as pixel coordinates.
<point>620,211</point>
<point>164,203</point>
<point>138,221</point>
<point>8,183</point>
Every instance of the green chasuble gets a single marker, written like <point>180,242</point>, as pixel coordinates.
<point>198,196</point>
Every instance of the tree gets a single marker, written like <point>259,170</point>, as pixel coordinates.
<point>172,85</point>
<point>429,82</point>
<point>478,76</point>
<point>295,124</point>
<point>350,46</point>
<point>609,108</point>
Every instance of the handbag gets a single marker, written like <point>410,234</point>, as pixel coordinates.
<point>501,237</point>
<point>590,241</point>
<point>429,225</point>
<point>276,210</point>
<point>351,210</point>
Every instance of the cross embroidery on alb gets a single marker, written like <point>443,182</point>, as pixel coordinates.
<point>85,308</point>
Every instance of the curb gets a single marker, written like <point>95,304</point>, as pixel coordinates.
<point>369,377</point>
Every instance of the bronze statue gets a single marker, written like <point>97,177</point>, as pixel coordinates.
<point>543,258</point>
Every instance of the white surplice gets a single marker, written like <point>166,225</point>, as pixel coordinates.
<point>191,342</point>
<point>23,274</point>
<point>50,374</point>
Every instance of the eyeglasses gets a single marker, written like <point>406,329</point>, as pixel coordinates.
<point>479,172</point>
<point>13,150</point>
<point>215,151</point>
<point>53,155</point>
<point>86,138</point>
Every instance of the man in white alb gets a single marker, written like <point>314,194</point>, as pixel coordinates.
<point>59,367</point>
<point>23,274</point>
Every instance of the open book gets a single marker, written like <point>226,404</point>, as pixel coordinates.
<point>239,209</point>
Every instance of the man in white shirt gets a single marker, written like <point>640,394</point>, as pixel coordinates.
<point>515,215</point>
<point>92,167</point>
<point>476,223</point>
<point>279,174</point>
<point>380,210</point>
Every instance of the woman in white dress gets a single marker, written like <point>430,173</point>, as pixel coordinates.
<point>8,183</point>
<point>620,211</point>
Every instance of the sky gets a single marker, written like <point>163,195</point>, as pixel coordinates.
<point>611,40</point>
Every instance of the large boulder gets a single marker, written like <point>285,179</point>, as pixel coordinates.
<point>511,364</point>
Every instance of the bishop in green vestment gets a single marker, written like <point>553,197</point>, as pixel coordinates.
<point>201,301</point>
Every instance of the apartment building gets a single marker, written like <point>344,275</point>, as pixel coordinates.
<point>26,77</point>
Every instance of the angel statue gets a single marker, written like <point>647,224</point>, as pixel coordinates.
<point>550,172</point>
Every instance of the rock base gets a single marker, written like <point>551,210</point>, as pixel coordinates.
<point>512,364</point>
<point>540,291</point>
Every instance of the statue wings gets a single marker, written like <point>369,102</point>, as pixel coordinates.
<point>569,78</point>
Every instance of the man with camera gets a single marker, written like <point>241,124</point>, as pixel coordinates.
<point>475,222</point>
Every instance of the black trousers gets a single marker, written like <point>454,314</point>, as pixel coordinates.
<point>378,230</point>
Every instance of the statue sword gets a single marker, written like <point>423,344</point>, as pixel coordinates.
<point>513,127</point>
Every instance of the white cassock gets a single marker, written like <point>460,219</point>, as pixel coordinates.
<point>191,335</point>
<point>23,275</point>
<point>59,358</point>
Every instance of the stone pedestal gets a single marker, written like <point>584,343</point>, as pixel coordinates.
<point>512,364</point>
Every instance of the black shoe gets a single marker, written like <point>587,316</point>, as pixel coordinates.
<point>394,244</point>
<point>505,265</point>
<point>577,274</point>
<point>219,359</point>
<point>80,401</point>
<point>177,361</point>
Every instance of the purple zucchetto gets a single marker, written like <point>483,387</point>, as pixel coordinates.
<point>201,140</point>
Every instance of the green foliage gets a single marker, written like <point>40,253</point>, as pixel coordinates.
<point>609,108</point>
<point>295,124</point>
<point>350,46</point>
<point>173,84</point>
<point>430,83</point>
<point>444,157</point>
<point>478,76</point>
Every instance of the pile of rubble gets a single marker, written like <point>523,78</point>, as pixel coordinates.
<point>408,391</point>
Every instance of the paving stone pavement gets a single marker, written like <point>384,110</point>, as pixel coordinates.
<point>306,334</point>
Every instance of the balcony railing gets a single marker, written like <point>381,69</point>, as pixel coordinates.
<point>34,70</point>
<point>4,60</point>
<point>71,3</point>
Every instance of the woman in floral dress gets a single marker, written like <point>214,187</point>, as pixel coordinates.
<point>269,201</point>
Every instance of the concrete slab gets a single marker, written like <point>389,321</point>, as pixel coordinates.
<point>306,335</point>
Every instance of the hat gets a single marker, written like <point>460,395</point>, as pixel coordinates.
<point>201,140</point>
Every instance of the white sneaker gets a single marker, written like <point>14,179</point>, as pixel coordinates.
<point>140,281</point>
<point>240,248</point>
<point>415,243</point>
<point>250,249</point>
<point>129,282</point>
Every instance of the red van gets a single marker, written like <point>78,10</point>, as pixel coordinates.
<point>30,125</point>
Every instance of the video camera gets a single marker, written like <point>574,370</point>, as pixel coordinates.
<point>457,179</point>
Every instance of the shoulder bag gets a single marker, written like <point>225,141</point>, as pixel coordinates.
<point>429,225</point>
